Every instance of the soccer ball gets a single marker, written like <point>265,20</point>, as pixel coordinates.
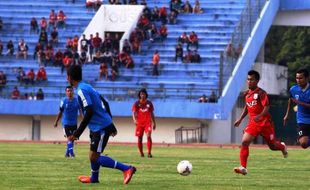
<point>184,167</point>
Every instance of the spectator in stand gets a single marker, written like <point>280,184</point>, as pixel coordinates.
<point>69,43</point>
<point>115,42</point>
<point>144,23</point>
<point>41,74</point>
<point>34,27</point>
<point>183,38</point>
<point>203,99</point>
<point>54,37</point>
<point>61,19</point>
<point>133,2</point>
<point>192,41</point>
<point>122,57</point>
<point>49,54</point>
<point>238,51</point>
<point>129,64</point>
<point>127,47</point>
<point>75,58</point>
<point>66,63</point>
<point>143,2</point>
<point>196,57</point>
<point>176,6</point>
<point>40,94</point>
<point>41,57</point>
<point>212,98</point>
<point>163,32</point>
<point>58,58</point>
<point>37,48</point>
<point>43,24</point>
<point>10,48</point>
<point>15,93</point>
<point>107,57</point>
<point>107,43</point>
<point>197,8</point>
<point>96,42</point>
<point>2,80</point>
<point>153,33</point>
<point>155,62</point>
<point>95,4</point>
<point>75,43</point>
<point>20,75</point>
<point>188,58</point>
<point>114,71</point>
<point>136,45</point>
<point>103,71</point>
<point>178,52</point>
<point>82,57</point>
<point>98,59</point>
<point>22,49</point>
<point>155,14</point>
<point>43,38</point>
<point>30,77</point>
<point>1,48</point>
<point>229,50</point>
<point>187,8</point>
<point>84,43</point>
<point>163,15</point>
<point>1,23</point>
<point>91,47</point>
<point>52,19</point>
<point>172,18</point>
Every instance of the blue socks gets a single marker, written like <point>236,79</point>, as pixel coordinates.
<point>70,146</point>
<point>108,162</point>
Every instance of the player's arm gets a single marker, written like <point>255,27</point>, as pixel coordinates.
<point>263,113</point>
<point>242,116</point>
<point>153,120</point>
<point>289,103</point>
<point>86,119</point>
<point>59,115</point>
<point>300,103</point>
<point>134,117</point>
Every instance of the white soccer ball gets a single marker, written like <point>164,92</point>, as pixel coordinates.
<point>184,167</point>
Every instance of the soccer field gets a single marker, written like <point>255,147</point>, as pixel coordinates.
<point>43,166</point>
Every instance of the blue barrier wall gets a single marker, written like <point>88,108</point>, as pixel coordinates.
<point>290,5</point>
<point>163,109</point>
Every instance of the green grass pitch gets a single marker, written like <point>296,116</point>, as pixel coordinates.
<point>43,166</point>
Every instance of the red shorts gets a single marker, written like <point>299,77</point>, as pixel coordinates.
<point>267,131</point>
<point>143,128</point>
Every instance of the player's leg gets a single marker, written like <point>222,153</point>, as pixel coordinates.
<point>98,143</point>
<point>148,131</point>
<point>250,133</point>
<point>67,134</point>
<point>303,135</point>
<point>139,134</point>
<point>269,135</point>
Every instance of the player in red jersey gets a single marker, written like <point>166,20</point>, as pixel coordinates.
<point>257,106</point>
<point>143,116</point>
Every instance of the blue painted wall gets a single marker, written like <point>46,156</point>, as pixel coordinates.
<point>290,5</point>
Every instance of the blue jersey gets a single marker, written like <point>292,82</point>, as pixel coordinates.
<point>88,96</point>
<point>69,110</point>
<point>303,113</point>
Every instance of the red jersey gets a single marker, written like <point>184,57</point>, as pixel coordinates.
<point>256,100</point>
<point>143,111</point>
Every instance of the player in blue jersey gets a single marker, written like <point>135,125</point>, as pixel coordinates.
<point>98,118</point>
<point>68,111</point>
<point>300,95</point>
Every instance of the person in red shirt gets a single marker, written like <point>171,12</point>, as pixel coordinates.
<point>41,75</point>
<point>257,106</point>
<point>15,93</point>
<point>143,116</point>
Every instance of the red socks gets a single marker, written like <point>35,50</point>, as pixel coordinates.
<point>244,154</point>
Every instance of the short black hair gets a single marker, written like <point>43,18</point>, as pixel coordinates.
<point>144,91</point>
<point>303,71</point>
<point>255,73</point>
<point>69,87</point>
<point>75,72</point>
